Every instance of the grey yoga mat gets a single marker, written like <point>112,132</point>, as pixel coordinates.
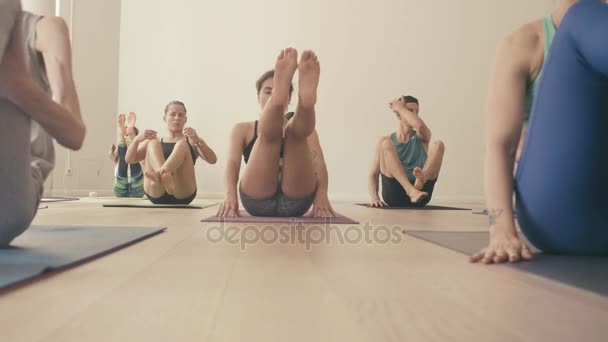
<point>588,273</point>
<point>427,207</point>
<point>42,249</point>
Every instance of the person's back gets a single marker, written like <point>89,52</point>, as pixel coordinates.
<point>42,150</point>
<point>15,207</point>
<point>36,47</point>
<point>9,12</point>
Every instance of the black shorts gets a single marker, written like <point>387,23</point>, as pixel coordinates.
<point>394,195</point>
<point>170,199</point>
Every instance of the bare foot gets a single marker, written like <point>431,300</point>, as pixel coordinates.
<point>153,176</point>
<point>420,178</point>
<point>309,70</point>
<point>130,131</point>
<point>166,179</point>
<point>120,123</point>
<point>112,153</point>
<point>417,195</point>
<point>286,66</point>
<point>131,119</point>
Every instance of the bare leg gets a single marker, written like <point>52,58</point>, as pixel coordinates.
<point>120,129</point>
<point>154,162</point>
<point>260,179</point>
<point>130,131</point>
<point>390,166</point>
<point>298,170</point>
<point>177,174</point>
<point>432,167</point>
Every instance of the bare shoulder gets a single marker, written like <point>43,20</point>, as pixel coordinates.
<point>524,45</point>
<point>384,138</point>
<point>241,128</point>
<point>51,30</point>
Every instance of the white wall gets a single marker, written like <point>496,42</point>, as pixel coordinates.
<point>95,30</point>
<point>42,7</point>
<point>209,54</point>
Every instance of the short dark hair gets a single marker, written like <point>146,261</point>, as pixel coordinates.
<point>268,74</point>
<point>175,102</point>
<point>410,99</point>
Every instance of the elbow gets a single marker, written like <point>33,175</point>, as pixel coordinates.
<point>421,128</point>
<point>212,160</point>
<point>75,140</point>
<point>82,132</point>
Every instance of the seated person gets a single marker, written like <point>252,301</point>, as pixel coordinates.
<point>407,162</point>
<point>35,67</point>
<point>286,172</point>
<point>169,161</point>
<point>560,185</point>
<point>122,186</point>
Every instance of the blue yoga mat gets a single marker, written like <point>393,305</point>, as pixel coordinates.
<point>42,249</point>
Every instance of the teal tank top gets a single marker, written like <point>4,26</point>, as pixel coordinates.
<point>411,154</point>
<point>549,30</point>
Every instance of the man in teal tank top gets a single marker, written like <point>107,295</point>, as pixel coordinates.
<point>406,160</point>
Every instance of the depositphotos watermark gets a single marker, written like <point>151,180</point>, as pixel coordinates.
<point>309,235</point>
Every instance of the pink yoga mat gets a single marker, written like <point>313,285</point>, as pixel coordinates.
<point>246,218</point>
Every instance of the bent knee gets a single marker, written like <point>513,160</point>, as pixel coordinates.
<point>154,143</point>
<point>182,144</point>
<point>438,145</point>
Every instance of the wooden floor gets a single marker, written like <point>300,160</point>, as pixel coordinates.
<point>179,286</point>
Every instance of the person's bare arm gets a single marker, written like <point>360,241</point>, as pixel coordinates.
<point>321,205</point>
<point>412,119</point>
<point>200,146</point>
<point>504,116</point>
<point>139,146</point>
<point>53,41</point>
<point>374,173</point>
<point>61,120</point>
<point>230,206</point>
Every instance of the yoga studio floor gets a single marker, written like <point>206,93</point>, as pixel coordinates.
<point>180,286</point>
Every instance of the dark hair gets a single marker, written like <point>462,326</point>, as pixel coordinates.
<point>410,99</point>
<point>175,102</point>
<point>136,130</point>
<point>268,74</point>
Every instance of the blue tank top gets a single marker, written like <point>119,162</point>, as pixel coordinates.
<point>549,31</point>
<point>411,154</point>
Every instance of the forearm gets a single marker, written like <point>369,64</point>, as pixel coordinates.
<point>411,119</point>
<point>232,178</point>
<point>322,178</point>
<point>498,177</point>
<point>206,152</point>
<point>373,186</point>
<point>57,120</point>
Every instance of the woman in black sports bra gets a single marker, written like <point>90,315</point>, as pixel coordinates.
<point>285,173</point>
<point>169,161</point>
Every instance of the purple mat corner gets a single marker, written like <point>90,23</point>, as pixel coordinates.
<point>246,218</point>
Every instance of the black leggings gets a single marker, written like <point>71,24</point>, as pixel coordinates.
<point>394,195</point>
